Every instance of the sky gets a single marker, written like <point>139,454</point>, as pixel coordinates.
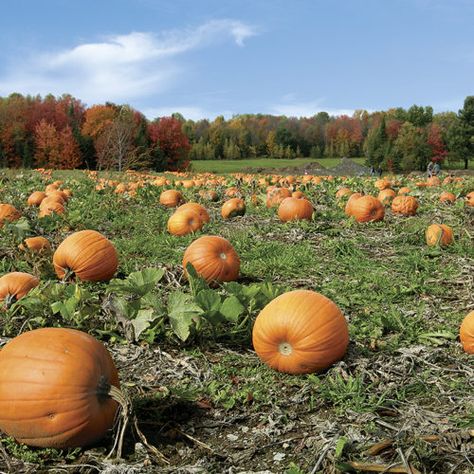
<point>205,58</point>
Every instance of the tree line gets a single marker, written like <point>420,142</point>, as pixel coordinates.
<point>61,132</point>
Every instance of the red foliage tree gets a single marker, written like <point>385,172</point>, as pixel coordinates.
<point>167,133</point>
<point>436,143</point>
<point>70,151</point>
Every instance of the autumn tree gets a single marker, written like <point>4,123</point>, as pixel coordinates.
<point>48,147</point>
<point>436,143</point>
<point>413,148</point>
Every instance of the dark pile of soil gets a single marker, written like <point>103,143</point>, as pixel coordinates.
<point>348,167</point>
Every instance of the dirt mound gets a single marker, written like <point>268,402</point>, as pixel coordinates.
<point>348,167</point>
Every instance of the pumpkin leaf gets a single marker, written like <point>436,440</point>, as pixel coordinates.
<point>142,322</point>
<point>137,283</point>
<point>232,308</point>
<point>196,282</point>
<point>210,302</point>
<point>183,313</point>
<point>20,228</point>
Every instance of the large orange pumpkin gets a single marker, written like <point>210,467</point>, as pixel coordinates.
<point>184,222</point>
<point>439,234</point>
<point>232,208</point>
<point>213,258</point>
<point>52,207</point>
<point>293,209</point>
<point>54,385</point>
<point>88,255</point>
<point>276,195</point>
<point>300,332</point>
<point>466,333</point>
<point>35,244</point>
<point>35,198</point>
<point>405,205</point>
<point>15,285</point>
<point>447,197</point>
<point>367,209</point>
<point>350,203</point>
<point>386,196</point>
<point>8,213</point>
<point>197,208</point>
<point>171,198</point>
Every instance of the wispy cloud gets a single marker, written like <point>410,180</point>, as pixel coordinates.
<point>121,67</point>
<point>305,109</point>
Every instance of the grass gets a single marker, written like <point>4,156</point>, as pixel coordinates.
<point>236,166</point>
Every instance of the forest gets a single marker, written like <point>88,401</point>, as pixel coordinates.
<point>63,133</point>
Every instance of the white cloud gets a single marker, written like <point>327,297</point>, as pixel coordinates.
<point>121,67</point>
<point>306,109</point>
<point>187,111</point>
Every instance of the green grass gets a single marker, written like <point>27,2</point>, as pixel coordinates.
<point>235,166</point>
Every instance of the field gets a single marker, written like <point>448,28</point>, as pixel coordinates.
<point>401,397</point>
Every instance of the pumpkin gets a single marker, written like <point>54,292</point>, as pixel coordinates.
<point>466,333</point>
<point>405,205</point>
<point>53,207</point>
<point>300,332</point>
<point>8,213</point>
<point>367,209</point>
<point>88,255</point>
<point>208,194</point>
<point>60,195</point>
<point>470,199</point>
<point>197,208</point>
<point>433,181</point>
<point>51,187</point>
<point>276,195</point>
<point>298,195</point>
<point>171,198</point>
<point>232,208</point>
<point>213,258</point>
<point>382,184</point>
<point>404,190</point>
<point>36,198</point>
<point>35,244</point>
<point>386,196</point>
<point>439,234</point>
<point>184,222</point>
<point>15,285</point>
<point>293,209</point>
<point>54,388</point>
<point>350,203</point>
<point>447,197</point>
<point>342,192</point>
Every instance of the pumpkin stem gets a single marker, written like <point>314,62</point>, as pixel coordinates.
<point>9,300</point>
<point>68,273</point>
<point>284,348</point>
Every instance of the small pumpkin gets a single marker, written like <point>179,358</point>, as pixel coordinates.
<point>382,184</point>
<point>36,198</point>
<point>54,388</point>
<point>232,208</point>
<point>470,199</point>
<point>298,195</point>
<point>52,207</point>
<point>300,332</point>
<point>404,190</point>
<point>16,285</point>
<point>466,333</point>
<point>197,208</point>
<point>213,258</point>
<point>87,254</point>
<point>405,205</point>
<point>386,196</point>
<point>293,209</point>
<point>184,222</point>
<point>343,192</point>
<point>171,198</point>
<point>276,195</point>
<point>439,234</point>
<point>447,197</point>
<point>208,194</point>
<point>8,213</point>
<point>367,209</point>
<point>36,244</point>
<point>433,181</point>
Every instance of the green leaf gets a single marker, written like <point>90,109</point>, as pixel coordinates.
<point>232,308</point>
<point>20,228</point>
<point>196,282</point>
<point>183,313</point>
<point>137,283</point>
<point>142,322</point>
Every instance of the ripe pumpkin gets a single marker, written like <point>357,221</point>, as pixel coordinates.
<point>52,207</point>
<point>276,195</point>
<point>36,198</point>
<point>171,198</point>
<point>298,195</point>
<point>433,181</point>
<point>367,209</point>
<point>184,222</point>
<point>350,203</point>
<point>342,192</point>
<point>88,255</point>
<point>232,208</point>
<point>15,285</point>
<point>35,244</point>
<point>466,333</point>
<point>293,209</point>
<point>405,205</point>
<point>197,208</point>
<point>439,234</point>
<point>404,190</point>
<point>470,199</point>
<point>213,258</point>
<point>447,197</point>
<point>208,194</point>
<point>8,213</point>
<point>300,332</point>
<point>382,184</point>
<point>386,196</point>
<point>54,385</point>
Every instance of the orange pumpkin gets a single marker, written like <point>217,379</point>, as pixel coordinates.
<point>293,209</point>
<point>171,198</point>
<point>35,244</point>
<point>382,184</point>
<point>405,205</point>
<point>298,195</point>
<point>466,333</point>
<point>88,255</point>
<point>197,208</point>
<point>8,213</point>
<point>184,222</point>
<point>52,207</point>
<point>447,197</point>
<point>232,208</point>
<point>350,203</point>
<point>386,196</point>
<point>36,198</point>
<point>404,190</point>
<point>342,192</point>
<point>470,199</point>
<point>208,194</point>
<point>439,234</point>
<point>54,388</point>
<point>300,332</point>
<point>433,181</point>
<point>367,209</point>
<point>213,258</point>
<point>276,195</point>
<point>15,285</point>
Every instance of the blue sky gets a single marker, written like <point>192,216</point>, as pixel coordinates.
<point>209,57</point>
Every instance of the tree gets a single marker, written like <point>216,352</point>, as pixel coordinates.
<point>376,144</point>
<point>48,146</point>
<point>411,144</point>
<point>466,132</point>
<point>436,143</point>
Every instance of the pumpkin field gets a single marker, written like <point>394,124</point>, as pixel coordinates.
<point>236,323</point>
